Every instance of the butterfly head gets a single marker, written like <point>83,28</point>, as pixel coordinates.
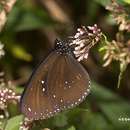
<point>63,47</point>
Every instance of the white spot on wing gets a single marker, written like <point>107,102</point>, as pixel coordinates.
<point>66,82</point>
<point>42,82</point>
<point>43,89</point>
<point>69,86</point>
<point>29,109</point>
<point>79,100</point>
<point>54,96</point>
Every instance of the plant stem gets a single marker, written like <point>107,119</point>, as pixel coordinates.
<point>7,5</point>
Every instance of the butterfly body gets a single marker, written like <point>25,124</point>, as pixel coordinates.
<point>59,83</point>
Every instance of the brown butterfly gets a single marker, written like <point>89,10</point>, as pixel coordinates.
<point>60,82</point>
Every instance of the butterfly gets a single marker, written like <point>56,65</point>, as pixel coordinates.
<point>60,82</point>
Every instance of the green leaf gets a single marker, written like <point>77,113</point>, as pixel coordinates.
<point>104,2</point>
<point>94,120</point>
<point>126,1</point>
<point>113,111</point>
<point>100,93</point>
<point>60,120</point>
<point>29,21</point>
<point>19,89</point>
<point>123,67</point>
<point>76,112</point>
<point>111,105</point>
<point>71,128</point>
<point>19,52</point>
<point>23,19</point>
<point>3,124</point>
<point>108,2</point>
<point>14,123</point>
<point>103,42</point>
<point>13,109</point>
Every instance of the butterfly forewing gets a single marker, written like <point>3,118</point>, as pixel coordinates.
<point>68,81</point>
<point>35,102</point>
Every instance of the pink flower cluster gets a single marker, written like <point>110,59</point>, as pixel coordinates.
<point>84,39</point>
<point>7,94</point>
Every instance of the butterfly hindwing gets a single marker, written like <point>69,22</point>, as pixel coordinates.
<point>68,81</point>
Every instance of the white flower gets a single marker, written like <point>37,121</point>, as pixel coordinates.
<point>2,52</point>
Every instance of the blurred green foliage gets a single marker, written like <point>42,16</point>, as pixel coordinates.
<point>103,107</point>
